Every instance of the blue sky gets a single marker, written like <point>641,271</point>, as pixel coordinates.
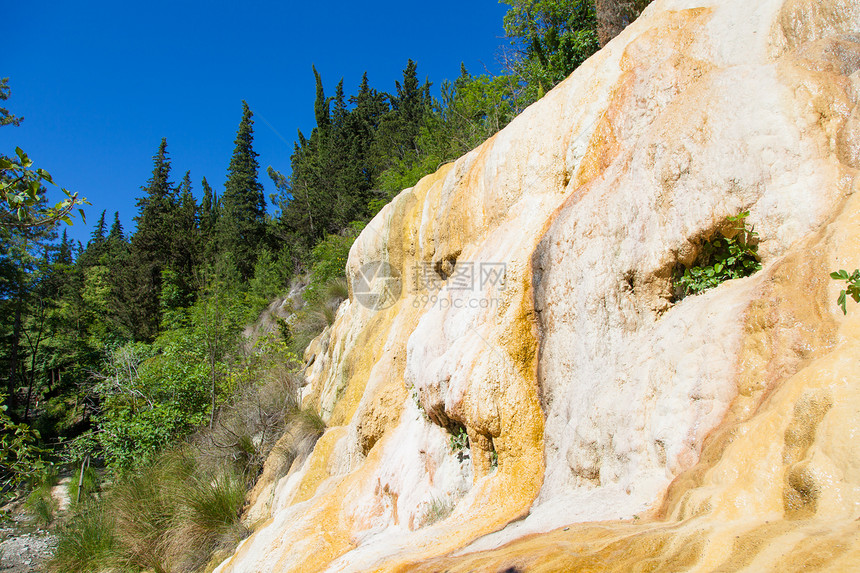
<point>100,83</point>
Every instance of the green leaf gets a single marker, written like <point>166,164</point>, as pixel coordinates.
<point>33,190</point>
<point>83,216</point>
<point>44,175</point>
<point>24,160</point>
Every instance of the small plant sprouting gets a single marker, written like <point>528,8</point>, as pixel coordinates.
<point>722,258</point>
<point>853,289</point>
<point>494,459</point>
<point>439,509</point>
<point>459,440</point>
<point>459,443</point>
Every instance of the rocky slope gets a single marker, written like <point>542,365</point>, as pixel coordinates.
<point>525,293</point>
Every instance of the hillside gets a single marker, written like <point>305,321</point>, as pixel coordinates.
<point>613,423</point>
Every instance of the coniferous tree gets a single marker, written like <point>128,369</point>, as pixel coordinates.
<point>120,312</point>
<point>185,252</point>
<point>242,222</point>
<point>64,252</point>
<point>96,245</point>
<point>116,232</point>
<point>209,214</point>
<point>98,234</point>
<point>150,248</point>
<point>7,118</point>
<point>208,211</point>
<point>321,105</point>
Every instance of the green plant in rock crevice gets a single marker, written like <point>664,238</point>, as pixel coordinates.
<point>722,258</point>
<point>852,290</point>
<point>459,442</point>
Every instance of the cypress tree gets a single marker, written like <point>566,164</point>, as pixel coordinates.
<point>241,226</point>
<point>321,107</point>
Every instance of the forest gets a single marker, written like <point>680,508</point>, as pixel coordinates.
<point>129,363</point>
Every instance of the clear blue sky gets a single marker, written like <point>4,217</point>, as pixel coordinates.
<point>100,83</point>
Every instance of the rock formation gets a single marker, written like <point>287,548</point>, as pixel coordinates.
<point>525,294</point>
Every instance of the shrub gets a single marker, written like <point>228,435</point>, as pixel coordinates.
<point>329,261</point>
<point>208,517</point>
<point>170,515</point>
<point>726,256</point>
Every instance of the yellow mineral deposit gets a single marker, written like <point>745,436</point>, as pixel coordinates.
<point>612,424</point>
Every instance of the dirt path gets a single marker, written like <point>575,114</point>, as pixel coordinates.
<point>25,552</point>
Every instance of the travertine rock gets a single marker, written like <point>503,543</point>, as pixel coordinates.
<point>714,432</point>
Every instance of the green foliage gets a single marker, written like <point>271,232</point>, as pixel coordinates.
<point>20,457</point>
<point>82,490</point>
<point>551,38</point>
<point>168,515</point>
<point>724,257</point>
<point>7,118</point>
<point>86,541</point>
<point>329,258</point>
<point>151,395</point>
<point>268,280</point>
<point>41,505</point>
<point>241,228</point>
<point>852,290</point>
<point>22,195</point>
<point>459,440</point>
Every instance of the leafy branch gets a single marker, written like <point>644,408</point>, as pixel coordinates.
<point>22,200</point>
<point>853,289</point>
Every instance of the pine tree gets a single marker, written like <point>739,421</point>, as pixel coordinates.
<point>96,246</point>
<point>185,239</point>
<point>98,234</point>
<point>120,309</point>
<point>7,118</point>
<point>116,232</point>
<point>241,226</point>
<point>150,248</point>
<point>208,224</point>
<point>208,211</point>
<point>64,253</point>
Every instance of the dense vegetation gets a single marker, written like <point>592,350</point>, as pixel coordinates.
<point>127,353</point>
